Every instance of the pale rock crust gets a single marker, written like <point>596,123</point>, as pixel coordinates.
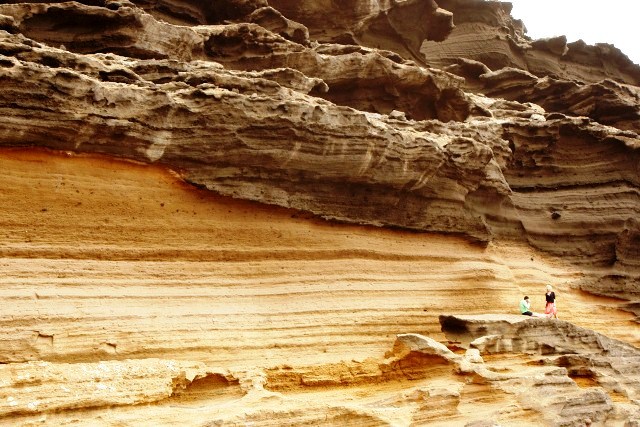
<point>40,387</point>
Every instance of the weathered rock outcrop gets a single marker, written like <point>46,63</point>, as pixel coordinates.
<point>485,32</point>
<point>495,56</point>
<point>396,26</point>
<point>211,124</point>
<point>490,164</point>
<point>598,376</point>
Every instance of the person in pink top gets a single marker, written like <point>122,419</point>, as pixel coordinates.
<point>550,309</point>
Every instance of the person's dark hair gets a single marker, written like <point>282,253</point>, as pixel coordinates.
<point>526,297</point>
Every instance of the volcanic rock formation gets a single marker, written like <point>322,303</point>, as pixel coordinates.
<point>252,211</point>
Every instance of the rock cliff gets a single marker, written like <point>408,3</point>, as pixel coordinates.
<point>252,211</point>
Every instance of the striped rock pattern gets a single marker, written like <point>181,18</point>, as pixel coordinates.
<point>250,212</point>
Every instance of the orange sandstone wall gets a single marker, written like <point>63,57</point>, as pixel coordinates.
<point>106,259</point>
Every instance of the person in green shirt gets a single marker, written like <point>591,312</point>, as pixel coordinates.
<point>525,307</point>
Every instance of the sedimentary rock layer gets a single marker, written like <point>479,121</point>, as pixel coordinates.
<point>247,136</point>
<point>250,211</point>
<point>126,286</point>
<point>250,138</point>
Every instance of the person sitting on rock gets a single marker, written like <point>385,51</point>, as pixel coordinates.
<point>550,309</point>
<point>525,307</point>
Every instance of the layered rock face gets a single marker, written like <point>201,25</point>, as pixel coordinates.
<point>569,359</point>
<point>240,204</point>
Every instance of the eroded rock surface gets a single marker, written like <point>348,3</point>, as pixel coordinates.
<point>168,169</point>
<point>596,378</point>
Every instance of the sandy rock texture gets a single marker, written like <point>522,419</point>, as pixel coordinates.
<point>598,379</point>
<point>268,212</point>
